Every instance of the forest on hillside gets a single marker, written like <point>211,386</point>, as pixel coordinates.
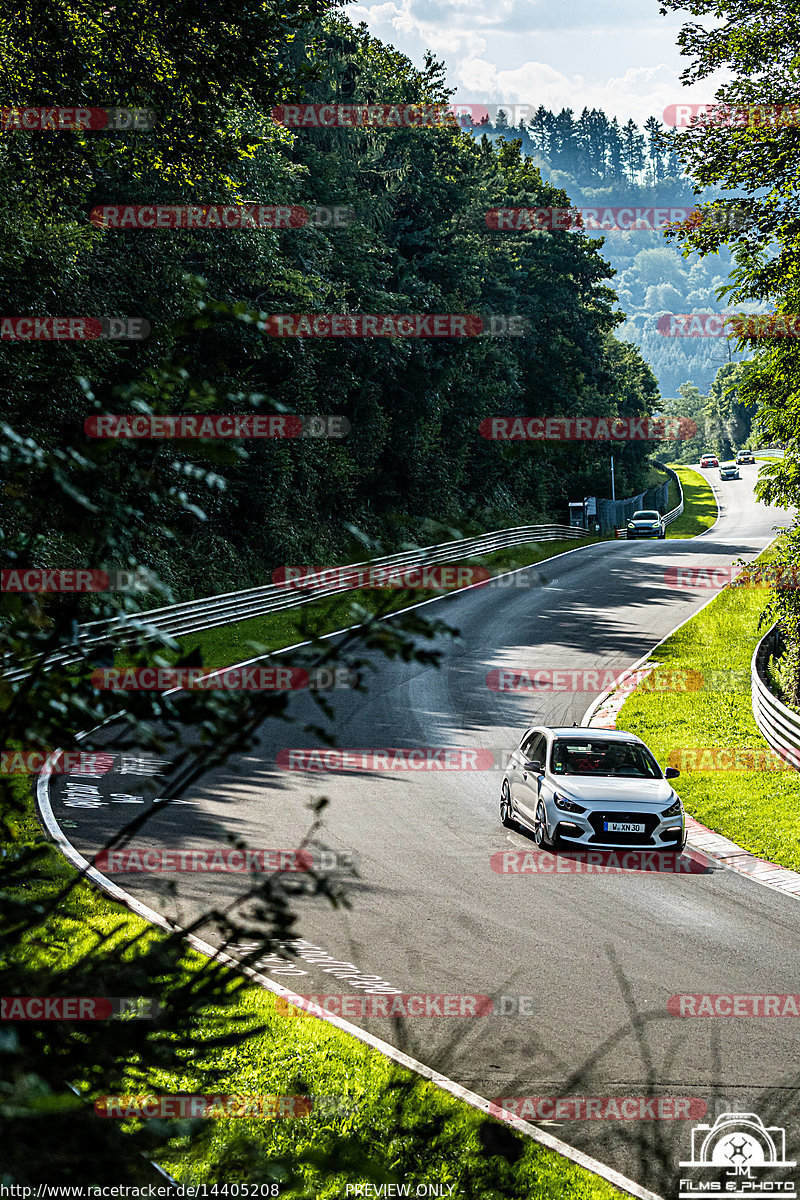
<point>418,243</point>
<point>603,164</point>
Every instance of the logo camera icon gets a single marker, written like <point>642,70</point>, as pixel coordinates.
<point>739,1141</point>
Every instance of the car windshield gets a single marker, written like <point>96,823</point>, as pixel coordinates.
<point>573,756</point>
<point>645,515</point>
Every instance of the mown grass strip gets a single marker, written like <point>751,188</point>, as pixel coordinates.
<point>759,810</point>
<point>700,508</point>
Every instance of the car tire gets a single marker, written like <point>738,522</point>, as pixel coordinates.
<point>662,535</point>
<point>540,828</point>
<point>506,807</point>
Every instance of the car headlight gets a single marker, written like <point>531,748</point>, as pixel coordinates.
<point>675,809</point>
<point>631,525</point>
<point>567,805</point>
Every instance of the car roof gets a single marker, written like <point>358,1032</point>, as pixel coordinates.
<point>611,735</point>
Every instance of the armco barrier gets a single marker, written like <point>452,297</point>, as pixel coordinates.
<point>779,725</point>
<point>674,513</point>
<point>193,616</point>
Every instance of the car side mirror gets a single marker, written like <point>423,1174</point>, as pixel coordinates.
<point>671,773</point>
<point>534,765</point>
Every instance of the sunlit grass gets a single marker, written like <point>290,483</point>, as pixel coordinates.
<point>759,810</point>
<point>700,508</point>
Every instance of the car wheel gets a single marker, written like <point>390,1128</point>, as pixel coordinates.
<point>506,809</point>
<point>663,534</point>
<point>540,828</point>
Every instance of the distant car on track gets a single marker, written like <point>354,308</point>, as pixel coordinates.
<point>745,456</point>
<point>646,523</point>
<point>709,460</point>
<point>729,471</point>
<point>588,787</point>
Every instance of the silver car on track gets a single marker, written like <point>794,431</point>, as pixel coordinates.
<point>584,787</point>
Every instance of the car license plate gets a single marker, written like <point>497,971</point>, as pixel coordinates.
<point>622,827</point>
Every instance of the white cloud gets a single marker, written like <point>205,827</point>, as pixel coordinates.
<point>639,93</point>
<point>584,51</point>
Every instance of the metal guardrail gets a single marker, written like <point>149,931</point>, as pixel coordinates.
<point>674,513</point>
<point>210,612</point>
<point>779,725</point>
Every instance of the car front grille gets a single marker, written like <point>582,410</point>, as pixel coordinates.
<point>649,820</point>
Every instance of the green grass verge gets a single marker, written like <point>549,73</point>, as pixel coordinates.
<point>700,508</point>
<point>412,1134</point>
<point>759,810</point>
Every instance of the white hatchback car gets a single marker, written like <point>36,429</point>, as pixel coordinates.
<point>577,786</point>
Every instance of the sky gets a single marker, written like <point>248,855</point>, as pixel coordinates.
<point>620,55</point>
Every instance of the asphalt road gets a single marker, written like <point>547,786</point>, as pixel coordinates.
<point>431,915</point>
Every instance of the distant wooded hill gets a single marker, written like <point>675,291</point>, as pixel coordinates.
<point>602,164</point>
